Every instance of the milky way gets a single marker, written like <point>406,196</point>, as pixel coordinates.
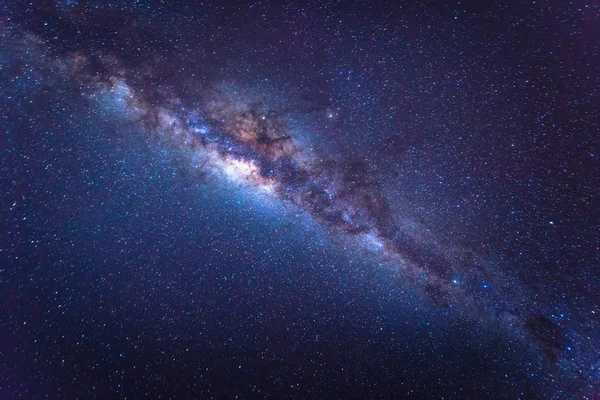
<point>248,143</point>
<point>434,184</point>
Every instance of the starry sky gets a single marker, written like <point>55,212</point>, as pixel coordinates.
<point>332,199</point>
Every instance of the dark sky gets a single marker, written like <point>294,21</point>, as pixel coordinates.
<point>333,199</point>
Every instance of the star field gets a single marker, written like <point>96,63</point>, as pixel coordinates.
<point>305,200</point>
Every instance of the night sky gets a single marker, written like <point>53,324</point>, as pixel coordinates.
<point>328,199</point>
